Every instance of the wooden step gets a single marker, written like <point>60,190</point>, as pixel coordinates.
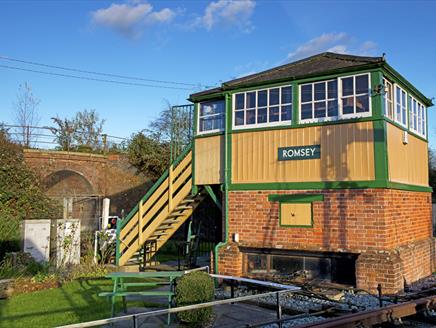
<point>164,227</point>
<point>158,234</point>
<point>175,214</point>
<point>178,208</point>
<point>170,221</point>
<point>188,200</point>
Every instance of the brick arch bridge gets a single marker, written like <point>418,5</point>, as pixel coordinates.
<point>87,179</point>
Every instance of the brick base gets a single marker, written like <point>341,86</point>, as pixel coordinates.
<point>389,230</point>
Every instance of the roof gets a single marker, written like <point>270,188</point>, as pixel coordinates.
<point>315,65</point>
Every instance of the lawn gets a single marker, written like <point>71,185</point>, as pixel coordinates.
<point>76,301</point>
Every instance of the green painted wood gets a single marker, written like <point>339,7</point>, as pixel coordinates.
<point>213,196</point>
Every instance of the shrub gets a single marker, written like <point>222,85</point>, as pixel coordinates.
<point>193,288</point>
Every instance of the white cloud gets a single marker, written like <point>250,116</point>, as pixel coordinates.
<point>130,19</point>
<point>332,42</point>
<point>227,13</point>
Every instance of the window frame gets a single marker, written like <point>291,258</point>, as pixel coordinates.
<point>354,95</point>
<point>386,99</point>
<point>219,114</point>
<point>406,97</point>
<point>421,117</point>
<point>340,115</point>
<point>326,100</point>
<point>256,108</point>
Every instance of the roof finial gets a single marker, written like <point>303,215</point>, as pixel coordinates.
<point>384,56</point>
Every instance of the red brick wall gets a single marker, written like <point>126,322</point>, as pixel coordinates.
<point>391,227</point>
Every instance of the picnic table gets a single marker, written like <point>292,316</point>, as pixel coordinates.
<point>124,281</point>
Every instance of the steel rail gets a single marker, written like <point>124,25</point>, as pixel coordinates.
<point>368,318</point>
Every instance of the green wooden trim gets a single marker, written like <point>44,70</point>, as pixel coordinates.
<point>296,225</point>
<point>380,151</point>
<point>227,177</point>
<point>207,97</point>
<point>408,187</point>
<point>118,244</point>
<point>194,189</point>
<point>213,196</point>
<point>371,184</point>
<point>377,102</point>
<point>297,198</point>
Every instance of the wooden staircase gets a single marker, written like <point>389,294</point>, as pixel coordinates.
<point>158,215</point>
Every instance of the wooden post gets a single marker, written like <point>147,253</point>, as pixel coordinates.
<point>170,188</point>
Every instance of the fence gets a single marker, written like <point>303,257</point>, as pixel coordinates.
<point>274,316</point>
<point>45,137</point>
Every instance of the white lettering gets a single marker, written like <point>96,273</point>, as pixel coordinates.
<point>285,153</point>
<point>313,151</point>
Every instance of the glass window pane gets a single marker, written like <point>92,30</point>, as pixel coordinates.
<point>239,117</point>
<point>262,115</point>
<point>362,104</point>
<point>332,89</point>
<point>286,113</point>
<point>274,114</point>
<point>398,94</point>
<point>262,98</point>
<point>362,84</point>
<point>306,111</point>
<point>274,96</point>
<point>404,117</point>
<point>256,263</point>
<point>211,108</point>
<point>398,113</point>
<point>320,110</point>
<point>347,86</point>
<point>251,99</point>
<point>332,110</point>
<point>348,105</point>
<point>240,101</point>
<point>403,98</point>
<point>286,95</point>
<point>320,91</point>
<point>306,93</point>
<point>250,117</point>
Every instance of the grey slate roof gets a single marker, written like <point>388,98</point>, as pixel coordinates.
<point>315,65</point>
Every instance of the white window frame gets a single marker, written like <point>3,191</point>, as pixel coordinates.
<point>396,119</point>
<point>218,114</point>
<point>326,100</point>
<point>354,95</point>
<point>419,111</point>
<point>267,123</point>
<point>341,115</point>
<point>387,100</point>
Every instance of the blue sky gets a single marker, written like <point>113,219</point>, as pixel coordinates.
<point>196,42</point>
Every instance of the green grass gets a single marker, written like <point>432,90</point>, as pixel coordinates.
<point>74,302</point>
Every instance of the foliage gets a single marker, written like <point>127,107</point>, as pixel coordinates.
<point>193,288</point>
<point>17,265</point>
<point>21,196</point>
<point>149,150</point>
<point>83,132</point>
<point>148,155</point>
<point>26,113</point>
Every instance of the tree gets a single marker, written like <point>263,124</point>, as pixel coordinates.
<point>21,195</point>
<point>148,155</point>
<point>26,113</point>
<point>81,133</point>
<point>150,150</point>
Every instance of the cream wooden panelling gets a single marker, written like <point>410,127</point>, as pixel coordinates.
<point>347,154</point>
<point>209,160</point>
<point>408,163</point>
